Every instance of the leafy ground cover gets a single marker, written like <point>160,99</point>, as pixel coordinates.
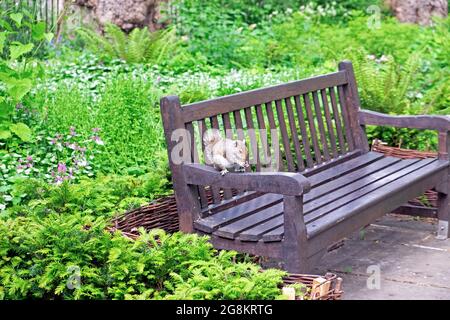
<point>81,137</point>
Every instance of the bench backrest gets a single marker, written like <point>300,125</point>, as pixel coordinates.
<point>311,122</point>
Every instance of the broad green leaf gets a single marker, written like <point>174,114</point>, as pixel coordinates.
<point>5,134</point>
<point>17,50</point>
<point>48,36</point>
<point>5,110</point>
<point>38,31</point>
<point>18,88</point>
<point>2,41</point>
<point>22,131</point>
<point>17,18</point>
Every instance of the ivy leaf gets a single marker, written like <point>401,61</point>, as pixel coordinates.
<point>18,49</point>
<point>17,18</point>
<point>22,131</point>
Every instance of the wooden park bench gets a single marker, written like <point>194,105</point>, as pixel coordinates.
<point>326,184</point>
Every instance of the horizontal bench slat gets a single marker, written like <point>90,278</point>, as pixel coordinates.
<point>205,109</point>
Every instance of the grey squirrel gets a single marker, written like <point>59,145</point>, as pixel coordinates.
<point>224,154</point>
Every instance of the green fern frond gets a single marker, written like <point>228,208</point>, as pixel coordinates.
<point>117,39</point>
<point>140,46</point>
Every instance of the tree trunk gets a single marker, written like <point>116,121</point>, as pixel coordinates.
<point>418,11</point>
<point>127,14</point>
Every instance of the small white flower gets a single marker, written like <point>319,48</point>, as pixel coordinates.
<point>7,197</point>
<point>2,207</point>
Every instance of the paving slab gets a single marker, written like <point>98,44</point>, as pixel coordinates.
<point>398,257</point>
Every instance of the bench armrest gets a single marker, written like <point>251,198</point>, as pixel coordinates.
<point>285,183</point>
<point>439,123</point>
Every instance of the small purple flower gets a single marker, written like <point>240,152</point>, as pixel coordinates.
<point>97,140</point>
<point>70,174</point>
<point>62,167</point>
<point>72,146</point>
<point>72,131</point>
<point>80,163</point>
<point>81,149</point>
<point>58,180</point>
<point>95,130</point>
<point>30,159</point>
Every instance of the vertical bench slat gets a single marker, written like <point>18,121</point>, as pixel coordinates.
<point>304,132</point>
<point>215,190</point>
<point>252,136</point>
<point>194,155</point>
<point>227,193</point>
<point>348,133</point>
<point>274,129</point>
<point>285,136</point>
<point>201,131</point>
<point>337,121</point>
<point>227,125</point>
<point>312,129</point>
<point>323,136</point>
<point>294,133</point>
<point>263,134</point>
<point>330,127</point>
<point>240,130</point>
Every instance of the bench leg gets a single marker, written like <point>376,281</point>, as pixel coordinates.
<point>295,244</point>
<point>443,216</point>
<point>296,263</point>
<point>443,189</point>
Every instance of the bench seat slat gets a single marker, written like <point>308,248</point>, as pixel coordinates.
<point>261,218</point>
<point>256,233</point>
<point>211,223</point>
<point>364,198</point>
<point>230,214</point>
<point>323,177</point>
<point>232,230</point>
<point>333,194</point>
<point>375,187</point>
<point>324,194</point>
<point>344,168</point>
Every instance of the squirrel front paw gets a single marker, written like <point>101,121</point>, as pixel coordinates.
<point>224,172</point>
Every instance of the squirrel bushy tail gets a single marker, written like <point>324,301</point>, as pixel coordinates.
<point>211,136</point>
